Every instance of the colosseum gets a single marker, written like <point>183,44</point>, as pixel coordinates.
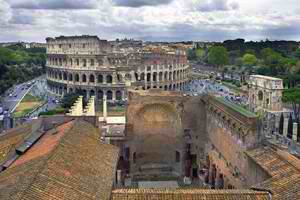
<point>93,66</point>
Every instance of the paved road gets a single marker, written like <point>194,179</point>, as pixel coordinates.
<point>198,87</point>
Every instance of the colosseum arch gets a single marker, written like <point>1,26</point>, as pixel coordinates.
<point>92,78</point>
<point>77,78</point>
<point>65,76</point>
<point>109,79</point>
<point>60,75</point>
<point>100,94</point>
<point>83,78</point>
<point>70,77</point>
<point>154,76</point>
<point>100,78</point>
<point>109,95</point>
<point>119,95</point>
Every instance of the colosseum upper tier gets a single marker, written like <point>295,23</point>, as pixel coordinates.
<point>95,67</point>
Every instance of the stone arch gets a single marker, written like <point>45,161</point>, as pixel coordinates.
<point>148,77</point>
<point>154,76</point>
<point>109,95</point>
<point>170,76</point>
<point>166,88</point>
<point>109,79</point>
<point>260,95</point>
<point>92,93</point>
<point>100,94</point>
<point>65,76</point>
<point>136,76</point>
<point>60,76</point>
<point>92,78</point>
<point>100,78</point>
<point>119,95</point>
<point>83,78</point>
<point>77,78</point>
<point>70,77</point>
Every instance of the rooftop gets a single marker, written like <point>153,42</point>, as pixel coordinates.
<point>284,171</point>
<point>266,77</point>
<point>236,108</point>
<point>67,163</point>
<point>188,194</point>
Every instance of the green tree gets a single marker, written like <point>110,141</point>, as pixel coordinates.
<point>69,100</point>
<point>249,59</point>
<point>292,97</point>
<point>218,56</point>
<point>297,53</point>
<point>238,62</point>
<point>264,53</point>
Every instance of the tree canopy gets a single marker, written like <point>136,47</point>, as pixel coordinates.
<point>249,59</point>
<point>292,96</point>
<point>218,56</point>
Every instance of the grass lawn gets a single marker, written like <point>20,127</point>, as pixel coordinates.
<point>236,107</point>
<point>27,105</point>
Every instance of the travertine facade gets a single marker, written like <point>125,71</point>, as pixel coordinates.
<point>265,93</point>
<point>89,64</point>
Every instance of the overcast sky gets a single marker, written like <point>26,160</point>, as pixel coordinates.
<point>155,20</point>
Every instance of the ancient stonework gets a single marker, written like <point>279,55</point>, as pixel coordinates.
<point>89,64</point>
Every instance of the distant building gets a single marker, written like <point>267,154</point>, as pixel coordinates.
<point>89,64</point>
<point>265,93</point>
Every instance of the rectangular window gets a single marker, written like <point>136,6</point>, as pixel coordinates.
<point>92,62</point>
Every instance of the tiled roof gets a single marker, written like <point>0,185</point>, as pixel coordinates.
<point>11,139</point>
<point>79,167</point>
<point>192,194</point>
<point>283,169</point>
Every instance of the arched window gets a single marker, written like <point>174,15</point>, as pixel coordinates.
<point>119,95</point>
<point>260,95</point>
<point>155,76</point>
<point>70,77</point>
<point>100,94</point>
<point>148,77</point>
<point>84,78</point>
<point>100,78</point>
<point>109,95</point>
<point>92,93</point>
<point>109,79</point>
<point>92,78</point>
<point>77,77</point>
<point>65,76</point>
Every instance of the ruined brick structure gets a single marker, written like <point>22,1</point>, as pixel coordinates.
<point>164,133</point>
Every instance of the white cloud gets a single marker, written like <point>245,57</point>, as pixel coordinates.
<point>176,20</point>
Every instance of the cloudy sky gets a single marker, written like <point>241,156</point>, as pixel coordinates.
<point>155,20</point>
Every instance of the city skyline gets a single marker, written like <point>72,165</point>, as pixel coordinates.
<point>164,20</point>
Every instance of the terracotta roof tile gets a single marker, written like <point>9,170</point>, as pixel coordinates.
<point>192,194</point>
<point>80,167</point>
<point>283,169</point>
